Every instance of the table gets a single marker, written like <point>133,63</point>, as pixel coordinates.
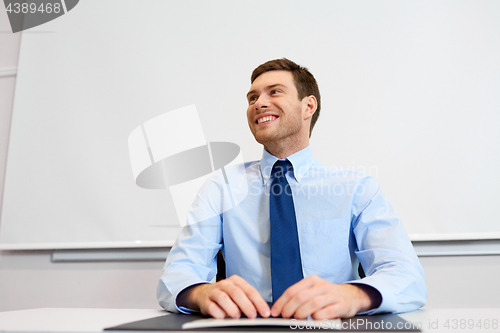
<point>455,320</point>
<point>83,320</point>
<point>70,319</point>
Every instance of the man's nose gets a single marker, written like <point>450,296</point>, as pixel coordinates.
<point>261,103</point>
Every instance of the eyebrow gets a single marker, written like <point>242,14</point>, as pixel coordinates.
<point>268,87</point>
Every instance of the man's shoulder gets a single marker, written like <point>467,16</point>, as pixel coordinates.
<point>320,170</point>
<point>243,168</point>
<point>233,171</point>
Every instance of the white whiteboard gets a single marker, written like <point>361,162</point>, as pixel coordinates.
<point>409,94</point>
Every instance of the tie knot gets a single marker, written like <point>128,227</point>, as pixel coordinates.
<point>280,168</point>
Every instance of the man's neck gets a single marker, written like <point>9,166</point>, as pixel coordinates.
<point>284,149</point>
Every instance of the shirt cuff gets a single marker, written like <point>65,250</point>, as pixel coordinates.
<point>186,310</point>
<point>183,309</point>
<point>374,295</point>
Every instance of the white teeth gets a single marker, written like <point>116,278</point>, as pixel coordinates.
<point>265,119</point>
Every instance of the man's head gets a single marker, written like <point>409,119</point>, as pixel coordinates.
<point>279,114</point>
<point>305,83</point>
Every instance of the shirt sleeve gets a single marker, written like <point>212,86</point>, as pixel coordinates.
<point>385,252</point>
<point>192,259</point>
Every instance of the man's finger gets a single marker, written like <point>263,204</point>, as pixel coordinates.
<point>344,303</point>
<point>331,311</point>
<point>225,303</point>
<point>310,300</point>
<point>260,304</point>
<point>313,305</point>
<point>230,297</point>
<point>241,300</point>
<point>212,309</point>
<point>295,296</point>
<point>278,305</point>
<point>255,298</point>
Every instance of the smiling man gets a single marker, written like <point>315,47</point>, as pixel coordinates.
<point>293,245</point>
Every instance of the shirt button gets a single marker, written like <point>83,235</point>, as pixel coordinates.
<point>266,177</point>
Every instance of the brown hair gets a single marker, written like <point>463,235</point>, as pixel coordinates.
<point>305,83</point>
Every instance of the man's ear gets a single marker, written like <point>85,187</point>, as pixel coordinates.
<point>309,105</point>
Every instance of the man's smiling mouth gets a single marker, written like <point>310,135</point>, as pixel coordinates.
<point>265,119</point>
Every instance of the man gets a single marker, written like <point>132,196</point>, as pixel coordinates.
<point>330,221</point>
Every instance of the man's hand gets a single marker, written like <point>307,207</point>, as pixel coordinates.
<point>321,300</point>
<point>228,297</point>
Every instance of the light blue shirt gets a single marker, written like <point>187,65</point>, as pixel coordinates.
<point>342,217</point>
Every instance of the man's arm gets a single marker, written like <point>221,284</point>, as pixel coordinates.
<point>192,259</point>
<point>191,264</point>
<point>386,252</point>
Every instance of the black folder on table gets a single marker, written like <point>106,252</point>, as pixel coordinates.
<point>174,322</point>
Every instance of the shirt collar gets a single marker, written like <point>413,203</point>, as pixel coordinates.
<point>301,161</point>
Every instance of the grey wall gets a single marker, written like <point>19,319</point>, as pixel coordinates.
<point>28,279</point>
<point>9,54</point>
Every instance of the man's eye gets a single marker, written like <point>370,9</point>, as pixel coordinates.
<point>252,99</point>
<point>274,92</point>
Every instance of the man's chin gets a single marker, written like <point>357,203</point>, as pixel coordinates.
<point>263,139</point>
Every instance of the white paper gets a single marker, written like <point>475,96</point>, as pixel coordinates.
<point>212,322</point>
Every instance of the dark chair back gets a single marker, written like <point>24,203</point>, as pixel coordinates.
<point>221,268</point>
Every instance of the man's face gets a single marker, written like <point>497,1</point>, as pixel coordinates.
<point>274,110</point>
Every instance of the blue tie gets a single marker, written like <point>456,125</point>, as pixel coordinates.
<point>286,266</point>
